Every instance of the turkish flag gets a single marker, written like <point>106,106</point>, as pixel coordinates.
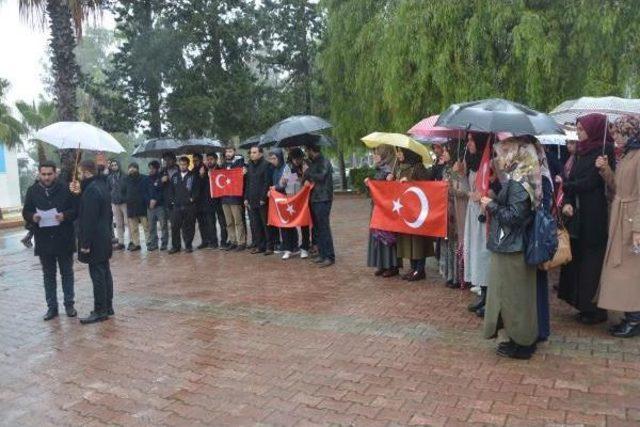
<point>411,207</point>
<point>484,170</point>
<point>290,211</point>
<point>226,182</point>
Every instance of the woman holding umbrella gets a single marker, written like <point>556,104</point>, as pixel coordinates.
<point>619,288</point>
<point>586,210</point>
<point>413,247</point>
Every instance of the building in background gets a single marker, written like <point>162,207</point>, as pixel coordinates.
<point>9,180</point>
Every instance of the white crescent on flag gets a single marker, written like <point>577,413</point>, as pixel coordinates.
<point>218,181</point>
<point>278,201</point>
<point>424,207</point>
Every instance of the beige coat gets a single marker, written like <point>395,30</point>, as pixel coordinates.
<point>620,280</point>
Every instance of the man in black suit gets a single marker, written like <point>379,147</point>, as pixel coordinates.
<point>94,237</point>
<point>55,242</point>
<point>184,191</point>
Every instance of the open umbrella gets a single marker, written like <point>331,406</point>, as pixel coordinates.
<point>306,139</point>
<point>156,147</point>
<point>399,140</point>
<point>250,142</point>
<point>498,115</point>
<point>612,106</point>
<point>200,145</point>
<point>78,136</point>
<point>426,130</point>
<point>296,125</point>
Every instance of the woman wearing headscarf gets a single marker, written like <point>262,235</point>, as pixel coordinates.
<point>586,210</point>
<point>476,254</point>
<point>382,252</point>
<point>620,282</point>
<point>413,247</point>
<point>511,298</point>
<point>448,261</point>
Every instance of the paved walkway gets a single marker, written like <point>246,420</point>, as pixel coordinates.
<point>215,338</point>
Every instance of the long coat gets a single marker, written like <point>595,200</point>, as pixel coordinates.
<point>585,191</point>
<point>94,222</point>
<point>59,240</point>
<point>134,193</point>
<point>412,246</point>
<point>620,283</point>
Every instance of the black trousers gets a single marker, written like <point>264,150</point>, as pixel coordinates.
<point>102,286</point>
<point>262,235</point>
<point>218,217</point>
<point>183,219</point>
<point>212,218</point>
<point>320,215</point>
<point>204,225</point>
<point>49,273</point>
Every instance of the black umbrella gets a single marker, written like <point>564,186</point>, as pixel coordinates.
<point>306,139</point>
<point>250,142</point>
<point>156,147</point>
<point>200,145</point>
<point>295,125</point>
<point>498,115</point>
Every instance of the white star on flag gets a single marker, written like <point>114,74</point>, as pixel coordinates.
<point>290,209</point>
<point>397,206</point>
<point>228,181</point>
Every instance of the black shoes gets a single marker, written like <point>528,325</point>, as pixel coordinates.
<point>625,330</point>
<point>592,318</point>
<point>390,272</point>
<point>202,245</point>
<point>118,247</point>
<point>152,248</point>
<point>94,318</point>
<point>515,351</point>
<point>231,247</point>
<point>70,310</point>
<point>326,263</point>
<point>240,248</point>
<point>134,248</point>
<point>51,314</point>
<point>416,275</point>
<point>189,249</point>
<point>173,251</point>
<point>110,312</point>
<point>268,252</point>
<point>480,301</point>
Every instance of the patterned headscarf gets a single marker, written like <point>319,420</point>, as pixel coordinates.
<point>629,127</point>
<point>518,160</point>
<point>387,155</point>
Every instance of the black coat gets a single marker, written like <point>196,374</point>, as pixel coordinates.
<point>95,221</point>
<point>511,214</point>
<point>114,180</point>
<point>166,186</point>
<point>320,173</point>
<point>58,240</point>
<point>257,182</point>
<point>135,195</point>
<point>184,192</point>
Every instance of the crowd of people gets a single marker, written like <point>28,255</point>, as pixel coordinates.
<point>595,194</point>
<point>166,205</point>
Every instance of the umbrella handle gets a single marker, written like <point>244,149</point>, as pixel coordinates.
<point>75,165</point>
<point>604,138</point>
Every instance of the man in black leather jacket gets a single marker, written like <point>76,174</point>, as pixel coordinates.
<point>320,173</point>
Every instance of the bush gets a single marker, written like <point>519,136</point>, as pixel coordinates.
<point>357,176</point>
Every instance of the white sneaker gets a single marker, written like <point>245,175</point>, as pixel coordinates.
<point>286,255</point>
<point>476,290</point>
<point>304,254</point>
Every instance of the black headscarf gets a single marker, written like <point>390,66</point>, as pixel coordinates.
<point>410,157</point>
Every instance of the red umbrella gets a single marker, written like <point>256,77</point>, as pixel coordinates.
<point>426,129</point>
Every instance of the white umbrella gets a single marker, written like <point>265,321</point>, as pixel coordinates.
<point>78,135</point>
<point>612,106</point>
<point>553,139</point>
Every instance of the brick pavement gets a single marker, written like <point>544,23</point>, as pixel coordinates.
<point>268,342</point>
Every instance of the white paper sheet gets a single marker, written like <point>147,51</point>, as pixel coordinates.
<point>48,218</point>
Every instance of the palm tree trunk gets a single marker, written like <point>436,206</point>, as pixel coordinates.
<point>65,71</point>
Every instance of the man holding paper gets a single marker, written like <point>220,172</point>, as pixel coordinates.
<point>51,208</point>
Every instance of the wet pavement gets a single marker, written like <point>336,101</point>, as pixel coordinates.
<point>215,338</point>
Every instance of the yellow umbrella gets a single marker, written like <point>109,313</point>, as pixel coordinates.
<point>376,139</point>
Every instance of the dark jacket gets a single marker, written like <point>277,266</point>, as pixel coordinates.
<point>235,163</point>
<point>257,182</point>
<point>511,214</point>
<point>134,194</point>
<point>585,191</point>
<point>166,186</point>
<point>155,189</point>
<point>184,191</point>
<point>210,204</point>
<point>114,180</point>
<point>203,186</point>
<point>95,221</point>
<point>320,173</point>
<point>58,240</point>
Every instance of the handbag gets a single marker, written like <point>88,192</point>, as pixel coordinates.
<point>563,252</point>
<point>541,241</point>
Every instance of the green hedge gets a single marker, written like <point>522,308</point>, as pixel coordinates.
<point>357,176</point>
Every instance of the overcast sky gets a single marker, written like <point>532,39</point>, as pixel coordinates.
<point>22,51</point>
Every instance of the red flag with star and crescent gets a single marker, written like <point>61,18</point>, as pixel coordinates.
<point>226,182</point>
<point>289,211</point>
<point>411,207</point>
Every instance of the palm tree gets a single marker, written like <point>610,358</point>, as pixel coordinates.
<point>10,127</point>
<point>35,117</point>
<point>66,19</point>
